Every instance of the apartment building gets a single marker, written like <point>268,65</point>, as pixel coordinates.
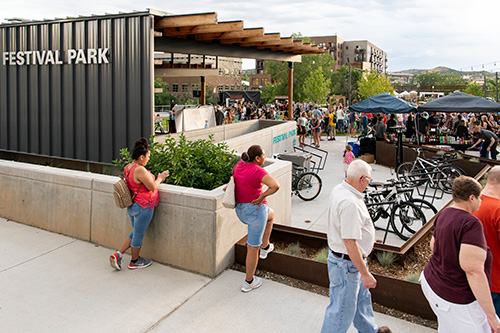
<point>360,54</point>
<point>221,73</point>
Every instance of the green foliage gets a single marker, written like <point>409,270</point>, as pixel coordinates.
<point>340,81</point>
<point>164,97</point>
<point>298,35</point>
<point>374,84</point>
<point>322,255</point>
<point>316,87</point>
<point>301,73</point>
<point>434,79</point>
<point>474,89</point>
<point>386,259</point>
<point>293,249</point>
<point>200,164</point>
<point>413,277</point>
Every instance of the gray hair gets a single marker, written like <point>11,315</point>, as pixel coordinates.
<point>358,169</point>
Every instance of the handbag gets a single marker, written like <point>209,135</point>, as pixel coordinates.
<point>121,192</point>
<point>229,199</point>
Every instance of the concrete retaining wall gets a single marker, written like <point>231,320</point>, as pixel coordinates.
<point>190,228</point>
<point>274,136</point>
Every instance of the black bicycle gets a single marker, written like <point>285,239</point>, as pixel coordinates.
<point>438,172</point>
<point>305,184</point>
<point>394,200</point>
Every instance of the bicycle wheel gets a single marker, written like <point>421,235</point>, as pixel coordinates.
<point>426,207</point>
<point>446,177</point>
<point>413,173</point>
<point>308,186</point>
<point>405,218</point>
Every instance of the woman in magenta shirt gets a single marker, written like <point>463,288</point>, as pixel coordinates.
<point>252,209</point>
<point>142,181</point>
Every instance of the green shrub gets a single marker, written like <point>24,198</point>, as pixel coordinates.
<point>200,164</point>
<point>322,255</point>
<point>413,277</point>
<point>293,249</point>
<point>386,259</point>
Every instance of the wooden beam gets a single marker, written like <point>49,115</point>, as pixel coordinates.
<point>174,21</point>
<point>204,29</point>
<point>245,33</point>
<point>266,37</point>
<point>282,41</point>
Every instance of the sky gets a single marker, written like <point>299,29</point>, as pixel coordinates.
<point>420,34</point>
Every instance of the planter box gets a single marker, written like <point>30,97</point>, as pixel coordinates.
<point>190,228</point>
<point>394,293</point>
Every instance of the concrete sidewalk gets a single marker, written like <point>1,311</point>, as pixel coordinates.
<point>54,283</point>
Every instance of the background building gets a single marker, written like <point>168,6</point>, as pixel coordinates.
<point>225,74</point>
<point>259,79</point>
<point>361,54</point>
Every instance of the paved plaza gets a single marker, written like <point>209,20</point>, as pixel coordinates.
<point>55,283</point>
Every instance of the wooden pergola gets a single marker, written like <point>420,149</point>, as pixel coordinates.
<point>202,34</point>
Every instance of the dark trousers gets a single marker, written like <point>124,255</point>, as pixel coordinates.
<point>493,149</point>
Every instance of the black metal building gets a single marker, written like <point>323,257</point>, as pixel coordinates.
<point>82,88</point>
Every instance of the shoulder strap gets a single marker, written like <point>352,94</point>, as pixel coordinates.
<point>126,176</point>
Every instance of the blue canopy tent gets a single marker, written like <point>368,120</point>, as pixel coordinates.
<point>383,103</point>
<point>386,103</point>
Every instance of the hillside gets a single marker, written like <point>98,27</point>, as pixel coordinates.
<point>447,70</point>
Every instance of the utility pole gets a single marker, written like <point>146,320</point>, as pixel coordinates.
<point>496,83</point>
<point>484,86</point>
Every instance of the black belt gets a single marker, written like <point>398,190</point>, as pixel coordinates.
<point>341,255</point>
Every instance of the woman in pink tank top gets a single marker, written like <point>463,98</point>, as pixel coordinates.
<point>142,182</point>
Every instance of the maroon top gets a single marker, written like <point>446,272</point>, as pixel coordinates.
<point>454,227</point>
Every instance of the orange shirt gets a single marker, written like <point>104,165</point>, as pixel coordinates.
<point>489,214</point>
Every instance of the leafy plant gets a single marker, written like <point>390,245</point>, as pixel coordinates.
<point>386,259</point>
<point>293,249</point>
<point>200,164</point>
<point>322,255</point>
<point>413,277</point>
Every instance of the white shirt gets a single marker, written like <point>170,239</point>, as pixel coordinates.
<point>348,218</point>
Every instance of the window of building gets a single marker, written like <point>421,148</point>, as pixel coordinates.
<point>221,71</point>
<point>232,87</point>
<point>185,87</point>
<point>220,87</point>
<point>196,86</point>
<point>175,87</point>
<point>226,87</point>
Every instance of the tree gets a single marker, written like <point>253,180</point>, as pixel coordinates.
<point>374,84</point>
<point>474,89</point>
<point>437,79</point>
<point>164,97</point>
<point>340,81</point>
<point>316,87</point>
<point>302,70</point>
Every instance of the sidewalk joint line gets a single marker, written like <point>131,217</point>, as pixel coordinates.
<point>178,306</point>
<point>38,256</point>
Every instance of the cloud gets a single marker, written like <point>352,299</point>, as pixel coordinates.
<point>415,34</point>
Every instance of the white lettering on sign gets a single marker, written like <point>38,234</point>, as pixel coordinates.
<point>56,57</point>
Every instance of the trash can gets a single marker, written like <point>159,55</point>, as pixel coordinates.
<point>355,148</point>
<point>298,158</point>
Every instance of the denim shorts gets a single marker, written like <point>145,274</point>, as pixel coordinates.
<point>140,219</point>
<point>255,217</point>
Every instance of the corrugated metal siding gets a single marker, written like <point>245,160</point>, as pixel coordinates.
<point>78,111</point>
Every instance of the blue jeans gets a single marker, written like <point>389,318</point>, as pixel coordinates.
<point>350,302</point>
<point>140,219</point>
<point>255,218</point>
<point>496,302</point>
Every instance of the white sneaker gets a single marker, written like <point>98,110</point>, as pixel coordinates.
<point>256,283</point>
<point>263,253</point>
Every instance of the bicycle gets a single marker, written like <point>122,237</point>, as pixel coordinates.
<point>306,185</point>
<point>395,201</point>
<point>439,171</point>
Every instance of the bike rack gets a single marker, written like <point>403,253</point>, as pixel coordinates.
<point>320,154</point>
<point>423,177</point>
